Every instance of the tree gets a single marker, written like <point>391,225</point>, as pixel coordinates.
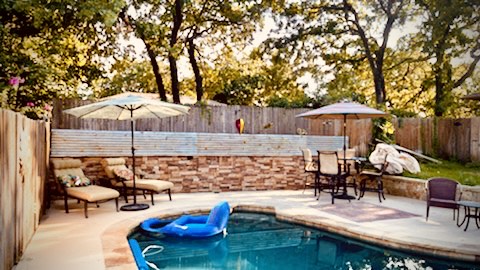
<point>252,81</point>
<point>342,34</point>
<point>222,23</point>
<point>177,18</point>
<point>450,30</point>
<point>51,49</point>
<point>140,29</point>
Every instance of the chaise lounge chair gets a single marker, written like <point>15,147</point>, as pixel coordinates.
<point>121,178</point>
<point>73,182</point>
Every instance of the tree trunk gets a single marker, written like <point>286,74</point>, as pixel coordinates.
<point>156,72</point>
<point>153,60</point>
<point>196,70</point>
<point>174,76</point>
<point>177,22</point>
<point>379,82</point>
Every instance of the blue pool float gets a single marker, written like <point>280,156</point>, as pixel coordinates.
<point>153,225</point>
<point>193,226</point>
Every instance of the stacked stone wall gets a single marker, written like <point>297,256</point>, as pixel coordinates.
<point>213,173</point>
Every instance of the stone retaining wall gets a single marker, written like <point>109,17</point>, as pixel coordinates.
<point>415,188</point>
<point>240,173</point>
<point>215,174</point>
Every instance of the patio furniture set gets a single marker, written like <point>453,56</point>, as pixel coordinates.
<point>333,175</point>
<point>73,183</point>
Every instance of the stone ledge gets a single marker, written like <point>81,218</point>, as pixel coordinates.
<point>415,188</point>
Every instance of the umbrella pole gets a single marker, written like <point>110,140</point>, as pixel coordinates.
<point>134,206</point>
<point>132,127</point>
<point>345,142</point>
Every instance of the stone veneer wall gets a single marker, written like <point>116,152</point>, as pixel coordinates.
<point>214,174</point>
<point>237,173</point>
<point>415,188</point>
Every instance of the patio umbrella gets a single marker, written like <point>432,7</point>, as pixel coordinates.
<point>343,110</point>
<point>124,107</point>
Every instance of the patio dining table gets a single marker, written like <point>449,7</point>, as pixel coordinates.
<point>359,161</point>
<point>344,193</point>
<point>472,210</point>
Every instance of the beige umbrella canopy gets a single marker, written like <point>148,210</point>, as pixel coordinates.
<point>343,110</point>
<point>124,107</point>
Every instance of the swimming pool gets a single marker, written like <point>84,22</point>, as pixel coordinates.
<point>259,241</point>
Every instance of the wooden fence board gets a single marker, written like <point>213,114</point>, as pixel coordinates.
<point>475,139</point>
<point>7,194</point>
<point>23,159</point>
<point>95,143</point>
<point>427,136</point>
<point>445,138</point>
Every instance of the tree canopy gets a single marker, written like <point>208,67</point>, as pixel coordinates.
<point>411,57</point>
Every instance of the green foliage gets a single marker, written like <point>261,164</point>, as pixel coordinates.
<point>283,102</point>
<point>252,81</point>
<point>383,129</point>
<point>450,30</point>
<point>129,75</point>
<point>465,174</point>
<point>53,47</point>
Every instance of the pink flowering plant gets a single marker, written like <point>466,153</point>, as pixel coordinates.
<point>16,95</point>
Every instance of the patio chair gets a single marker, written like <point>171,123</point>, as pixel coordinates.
<point>373,176</point>
<point>310,167</point>
<point>442,192</point>
<point>73,182</point>
<point>352,166</point>
<point>121,178</point>
<point>330,170</point>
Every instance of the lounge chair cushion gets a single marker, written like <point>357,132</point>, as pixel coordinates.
<point>123,173</point>
<point>92,193</point>
<point>115,166</point>
<point>67,167</point>
<point>73,181</point>
<point>154,185</point>
<point>109,164</point>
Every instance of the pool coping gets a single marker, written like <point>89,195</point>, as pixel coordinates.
<point>117,254</point>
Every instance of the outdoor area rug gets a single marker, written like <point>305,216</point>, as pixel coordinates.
<point>364,212</point>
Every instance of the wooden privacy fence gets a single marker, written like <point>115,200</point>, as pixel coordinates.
<point>96,143</point>
<point>24,155</point>
<point>446,138</point>
<point>221,119</point>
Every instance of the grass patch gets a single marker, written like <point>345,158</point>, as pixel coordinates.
<point>468,174</point>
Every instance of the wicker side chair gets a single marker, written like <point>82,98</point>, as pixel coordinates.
<point>442,192</point>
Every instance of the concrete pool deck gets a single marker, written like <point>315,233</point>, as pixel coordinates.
<point>69,241</point>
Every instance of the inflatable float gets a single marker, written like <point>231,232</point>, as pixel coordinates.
<point>192,226</point>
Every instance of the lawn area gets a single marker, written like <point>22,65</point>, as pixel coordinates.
<point>466,174</point>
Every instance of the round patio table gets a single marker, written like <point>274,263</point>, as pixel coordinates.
<point>472,210</point>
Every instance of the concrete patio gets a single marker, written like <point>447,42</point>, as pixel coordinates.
<point>69,241</point>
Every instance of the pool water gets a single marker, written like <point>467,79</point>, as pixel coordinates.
<point>259,241</point>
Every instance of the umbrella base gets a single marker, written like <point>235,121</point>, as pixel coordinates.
<point>134,207</point>
<point>344,197</point>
